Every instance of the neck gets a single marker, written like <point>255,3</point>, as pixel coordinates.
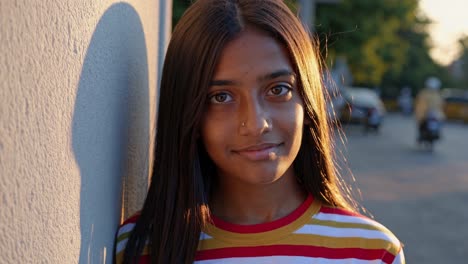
<point>245,204</point>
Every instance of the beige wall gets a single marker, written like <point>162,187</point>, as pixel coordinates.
<point>78,93</point>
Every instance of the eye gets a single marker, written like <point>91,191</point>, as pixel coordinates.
<point>279,90</point>
<point>219,98</point>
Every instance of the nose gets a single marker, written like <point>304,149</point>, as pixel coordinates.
<point>254,118</point>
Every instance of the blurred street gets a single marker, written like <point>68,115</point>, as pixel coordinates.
<point>421,196</point>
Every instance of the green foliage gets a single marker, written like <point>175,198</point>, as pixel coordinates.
<point>418,65</point>
<point>385,42</point>
<point>178,9</point>
<point>367,33</point>
<point>292,4</point>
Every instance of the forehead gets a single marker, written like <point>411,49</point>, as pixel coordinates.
<point>252,51</point>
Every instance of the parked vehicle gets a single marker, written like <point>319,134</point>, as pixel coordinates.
<point>363,106</point>
<point>456,104</point>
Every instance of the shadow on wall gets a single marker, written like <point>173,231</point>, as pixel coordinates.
<point>110,125</point>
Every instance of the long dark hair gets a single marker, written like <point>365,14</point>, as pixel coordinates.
<point>176,207</point>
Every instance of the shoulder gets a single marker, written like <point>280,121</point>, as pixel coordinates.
<point>343,218</point>
<point>123,233</point>
<point>355,230</point>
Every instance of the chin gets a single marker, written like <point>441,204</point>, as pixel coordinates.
<point>264,175</point>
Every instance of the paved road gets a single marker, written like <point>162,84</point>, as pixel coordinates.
<point>421,196</point>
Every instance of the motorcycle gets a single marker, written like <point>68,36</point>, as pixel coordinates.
<point>429,130</point>
<point>372,120</point>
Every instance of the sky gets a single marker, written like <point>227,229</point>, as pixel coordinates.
<point>450,22</point>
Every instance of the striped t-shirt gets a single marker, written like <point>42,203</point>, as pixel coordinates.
<point>312,233</point>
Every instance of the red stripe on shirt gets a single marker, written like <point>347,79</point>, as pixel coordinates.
<point>388,258</point>
<point>145,259</point>
<point>293,250</point>
<point>132,219</point>
<point>258,228</point>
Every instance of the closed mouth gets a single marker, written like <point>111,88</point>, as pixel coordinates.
<point>260,152</point>
<point>258,147</point>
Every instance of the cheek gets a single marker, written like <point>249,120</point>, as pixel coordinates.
<point>213,133</point>
<point>299,115</point>
<point>298,124</point>
<point>293,127</point>
<point>292,118</point>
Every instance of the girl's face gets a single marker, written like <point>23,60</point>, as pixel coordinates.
<point>252,127</point>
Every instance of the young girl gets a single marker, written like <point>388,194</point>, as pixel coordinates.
<point>243,169</point>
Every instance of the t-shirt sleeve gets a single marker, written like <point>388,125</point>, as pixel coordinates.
<point>123,233</point>
<point>400,258</point>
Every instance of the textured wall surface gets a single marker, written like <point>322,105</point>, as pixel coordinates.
<point>77,105</point>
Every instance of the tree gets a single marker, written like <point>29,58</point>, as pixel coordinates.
<point>178,9</point>
<point>367,33</point>
<point>418,64</point>
<point>385,42</point>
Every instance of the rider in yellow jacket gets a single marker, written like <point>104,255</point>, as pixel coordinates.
<point>429,100</point>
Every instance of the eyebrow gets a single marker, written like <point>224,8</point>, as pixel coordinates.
<point>276,74</point>
<point>266,77</point>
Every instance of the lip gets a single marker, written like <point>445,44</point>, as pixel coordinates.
<point>258,152</point>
